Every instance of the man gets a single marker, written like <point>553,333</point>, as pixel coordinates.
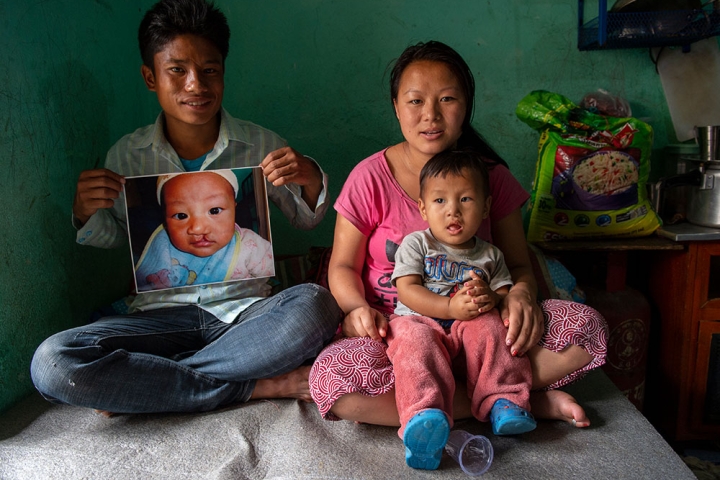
<point>191,348</point>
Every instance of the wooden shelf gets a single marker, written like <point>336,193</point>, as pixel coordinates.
<point>652,242</point>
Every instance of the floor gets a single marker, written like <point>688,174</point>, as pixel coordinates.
<point>703,458</point>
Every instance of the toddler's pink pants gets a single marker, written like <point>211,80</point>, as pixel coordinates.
<point>425,357</point>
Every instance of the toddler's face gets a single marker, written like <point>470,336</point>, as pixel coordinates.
<point>199,212</point>
<point>454,208</point>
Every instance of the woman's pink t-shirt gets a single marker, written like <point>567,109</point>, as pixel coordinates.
<point>375,203</point>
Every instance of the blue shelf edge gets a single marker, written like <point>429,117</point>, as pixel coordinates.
<point>647,29</point>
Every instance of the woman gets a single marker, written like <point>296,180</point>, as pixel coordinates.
<point>432,91</point>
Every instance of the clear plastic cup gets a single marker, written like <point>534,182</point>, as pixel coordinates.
<point>474,453</point>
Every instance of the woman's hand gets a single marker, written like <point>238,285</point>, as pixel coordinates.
<point>365,322</point>
<point>524,319</point>
<point>346,264</point>
<point>519,310</point>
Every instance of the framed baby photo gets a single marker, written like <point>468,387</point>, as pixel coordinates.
<point>198,228</point>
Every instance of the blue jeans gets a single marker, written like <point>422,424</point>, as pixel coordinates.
<point>183,359</point>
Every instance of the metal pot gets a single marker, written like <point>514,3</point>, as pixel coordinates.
<point>703,193</point>
<point>669,195</point>
<point>704,201</point>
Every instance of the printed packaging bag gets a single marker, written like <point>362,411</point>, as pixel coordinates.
<point>591,173</point>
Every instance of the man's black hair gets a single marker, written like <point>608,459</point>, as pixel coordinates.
<point>169,18</point>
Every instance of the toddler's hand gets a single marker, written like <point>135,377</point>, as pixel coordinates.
<point>483,296</point>
<point>462,305</point>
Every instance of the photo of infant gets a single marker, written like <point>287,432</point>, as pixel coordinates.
<point>198,228</point>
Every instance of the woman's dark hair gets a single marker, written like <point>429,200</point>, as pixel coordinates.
<point>169,18</point>
<point>454,162</point>
<point>434,51</point>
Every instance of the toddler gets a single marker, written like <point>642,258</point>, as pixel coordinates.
<point>449,282</point>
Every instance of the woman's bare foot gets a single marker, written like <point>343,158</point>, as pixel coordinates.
<point>558,405</point>
<point>359,408</point>
<point>290,385</point>
<point>105,413</point>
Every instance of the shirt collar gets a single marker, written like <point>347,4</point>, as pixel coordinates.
<point>229,131</point>
<point>233,130</point>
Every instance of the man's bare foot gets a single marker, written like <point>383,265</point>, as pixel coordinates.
<point>290,385</point>
<point>558,405</point>
<point>105,413</point>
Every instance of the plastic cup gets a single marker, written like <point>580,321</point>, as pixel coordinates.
<point>474,453</point>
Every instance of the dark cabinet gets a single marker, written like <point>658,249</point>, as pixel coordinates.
<point>685,286</point>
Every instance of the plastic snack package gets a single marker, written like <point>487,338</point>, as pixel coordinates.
<point>605,103</point>
<point>591,173</point>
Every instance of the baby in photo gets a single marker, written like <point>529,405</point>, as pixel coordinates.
<point>199,241</point>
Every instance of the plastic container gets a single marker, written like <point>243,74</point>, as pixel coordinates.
<point>474,453</point>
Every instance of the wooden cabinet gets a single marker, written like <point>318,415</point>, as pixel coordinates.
<point>685,287</point>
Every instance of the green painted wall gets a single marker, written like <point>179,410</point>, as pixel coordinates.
<point>312,70</point>
<point>67,91</point>
<point>315,72</point>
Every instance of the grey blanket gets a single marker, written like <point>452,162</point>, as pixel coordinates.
<point>286,439</point>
